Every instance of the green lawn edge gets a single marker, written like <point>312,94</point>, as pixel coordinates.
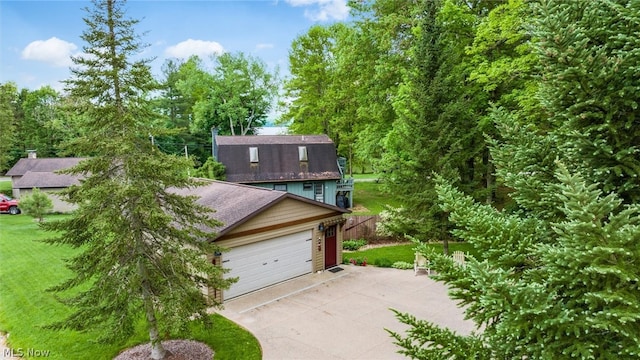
<point>29,267</point>
<point>402,252</point>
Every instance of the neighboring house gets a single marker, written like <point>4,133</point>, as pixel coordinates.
<point>271,236</point>
<point>34,172</point>
<point>305,165</point>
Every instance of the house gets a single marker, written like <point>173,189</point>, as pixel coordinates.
<point>32,172</point>
<point>271,236</point>
<point>305,165</point>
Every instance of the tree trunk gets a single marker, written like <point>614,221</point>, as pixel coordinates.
<point>445,246</point>
<point>489,177</point>
<point>157,350</point>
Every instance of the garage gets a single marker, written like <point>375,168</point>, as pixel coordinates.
<point>267,236</point>
<point>268,262</point>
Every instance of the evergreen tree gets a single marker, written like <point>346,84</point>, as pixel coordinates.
<point>591,63</point>
<point>143,246</point>
<point>559,278</point>
<point>437,108</point>
<point>409,165</point>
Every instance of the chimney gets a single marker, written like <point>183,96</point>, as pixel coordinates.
<point>32,154</point>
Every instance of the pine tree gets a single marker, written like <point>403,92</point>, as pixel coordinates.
<point>143,247</point>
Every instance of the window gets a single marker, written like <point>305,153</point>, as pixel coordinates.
<point>302,153</point>
<point>319,191</point>
<point>307,186</point>
<point>280,187</point>
<point>253,154</point>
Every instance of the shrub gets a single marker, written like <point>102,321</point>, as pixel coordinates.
<point>353,245</point>
<point>395,222</point>
<point>402,265</point>
<point>211,169</point>
<point>37,204</point>
<point>383,262</point>
<point>358,261</point>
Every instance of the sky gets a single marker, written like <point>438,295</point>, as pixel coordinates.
<point>38,38</point>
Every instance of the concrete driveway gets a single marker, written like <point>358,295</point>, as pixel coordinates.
<point>342,315</point>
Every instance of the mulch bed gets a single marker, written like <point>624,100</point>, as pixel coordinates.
<point>178,349</point>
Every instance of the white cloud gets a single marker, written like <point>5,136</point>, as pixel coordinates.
<point>191,47</point>
<point>53,51</point>
<point>264,46</point>
<point>323,10</point>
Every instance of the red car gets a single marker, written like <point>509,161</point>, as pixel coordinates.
<point>8,204</point>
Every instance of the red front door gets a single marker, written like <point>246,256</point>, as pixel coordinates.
<point>330,247</point>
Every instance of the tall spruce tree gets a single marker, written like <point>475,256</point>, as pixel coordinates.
<point>590,53</point>
<point>559,279</point>
<point>437,108</point>
<point>143,246</point>
<point>409,165</point>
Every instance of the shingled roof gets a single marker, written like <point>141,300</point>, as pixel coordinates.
<point>234,204</point>
<point>42,180</point>
<point>278,158</point>
<point>42,165</point>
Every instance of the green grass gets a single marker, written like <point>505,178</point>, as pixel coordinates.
<point>366,176</point>
<point>372,196</point>
<point>5,187</point>
<point>402,252</point>
<point>29,267</point>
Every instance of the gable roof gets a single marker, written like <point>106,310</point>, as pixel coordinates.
<point>40,165</point>
<point>273,139</point>
<point>235,204</point>
<point>44,180</point>
<point>278,158</point>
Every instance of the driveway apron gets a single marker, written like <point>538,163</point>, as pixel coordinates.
<point>342,315</point>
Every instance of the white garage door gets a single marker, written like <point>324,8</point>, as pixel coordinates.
<point>267,262</point>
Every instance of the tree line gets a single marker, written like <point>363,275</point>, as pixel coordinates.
<point>234,95</point>
<point>511,125</point>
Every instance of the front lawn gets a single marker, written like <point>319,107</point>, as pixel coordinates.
<point>29,267</point>
<point>402,252</point>
<point>372,197</point>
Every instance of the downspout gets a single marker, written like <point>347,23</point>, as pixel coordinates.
<point>214,144</point>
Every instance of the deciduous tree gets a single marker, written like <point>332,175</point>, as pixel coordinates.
<point>40,109</point>
<point>8,98</point>
<point>235,97</point>
<point>36,204</point>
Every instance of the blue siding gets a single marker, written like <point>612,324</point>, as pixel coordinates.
<point>297,188</point>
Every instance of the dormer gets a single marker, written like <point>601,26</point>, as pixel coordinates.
<point>253,155</point>
<point>302,154</point>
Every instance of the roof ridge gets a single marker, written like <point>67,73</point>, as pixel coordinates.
<point>239,185</point>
